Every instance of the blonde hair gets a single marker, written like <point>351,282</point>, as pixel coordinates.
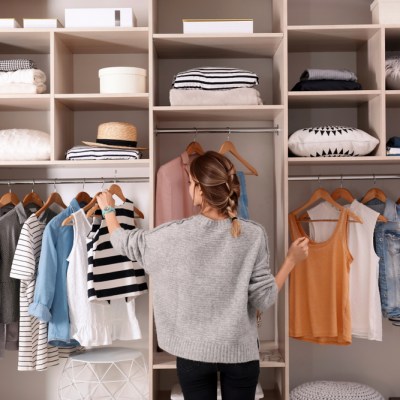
<point>216,176</point>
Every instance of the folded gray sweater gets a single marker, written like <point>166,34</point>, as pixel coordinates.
<point>206,285</point>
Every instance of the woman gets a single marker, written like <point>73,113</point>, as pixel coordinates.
<point>210,273</point>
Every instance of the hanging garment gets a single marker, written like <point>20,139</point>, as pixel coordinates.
<point>94,323</point>
<point>111,275</point>
<point>365,302</point>
<point>34,352</point>
<point>243,207</point>
<point>50,302</point>
<point>387,247</point>
<point>173,200</point>
<point>319,305</point>
<point>11,225</point>
<point>5,209</point>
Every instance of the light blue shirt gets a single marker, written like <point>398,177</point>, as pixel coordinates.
<point>50,303</point>
<point>243,208</point>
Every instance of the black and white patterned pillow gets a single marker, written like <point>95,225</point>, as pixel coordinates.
<point>331,141</point>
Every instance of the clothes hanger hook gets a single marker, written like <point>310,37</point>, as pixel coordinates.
<point>319,182</point>
<point>195,134</point>
<point>374,179</point>
<point>229,134</point>
<point>54,185</point>
<point>9,187</point>
<point>33,185</point>
<point>102,186</point>
<point>115,176</point>
<point>83,185</point>
<point>341,181</point>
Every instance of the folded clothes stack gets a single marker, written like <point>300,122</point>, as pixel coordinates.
<point>21,76</point>
<point>101,153</point>
<point>327,79</point>
<point>213,86</point>
<point>393,146</point>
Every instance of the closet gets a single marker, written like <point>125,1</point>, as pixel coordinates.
<point>289,36</point>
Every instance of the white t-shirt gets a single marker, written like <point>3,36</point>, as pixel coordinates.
<point>94,324</point>
<point>366,315</point>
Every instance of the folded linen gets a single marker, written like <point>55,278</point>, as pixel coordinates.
<point>214,78</point>
<point>392,151</point>
<point>195,97</point>
<point>23,76</point>
<point>320,85</point>
<point>25,88</point>
<point>101,153</point>
<point>15,64</point>
<point>331,74</point>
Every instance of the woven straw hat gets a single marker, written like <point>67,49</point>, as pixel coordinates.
<point>116,135</point>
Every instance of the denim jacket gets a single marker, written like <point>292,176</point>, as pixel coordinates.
<point>387,247</point>
<point>50,303</point>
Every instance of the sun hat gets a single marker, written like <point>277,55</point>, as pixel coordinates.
<point>116,135</point>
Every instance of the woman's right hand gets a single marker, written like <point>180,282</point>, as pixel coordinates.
<point>298,250</point>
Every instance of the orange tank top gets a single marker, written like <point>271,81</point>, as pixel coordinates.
<point>319,288</point>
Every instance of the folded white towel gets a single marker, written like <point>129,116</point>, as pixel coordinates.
<point>22,88</point>
<point>232,97</point>
<point>23,76</point>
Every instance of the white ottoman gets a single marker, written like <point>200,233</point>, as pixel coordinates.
<point>105,373</point>
<point>331,390</point>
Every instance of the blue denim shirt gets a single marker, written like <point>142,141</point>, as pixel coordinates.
<point>243,208</point>
<point>387,247</point>
<point>50,303</point>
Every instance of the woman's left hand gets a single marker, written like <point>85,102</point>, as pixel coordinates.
<point>105,199</point>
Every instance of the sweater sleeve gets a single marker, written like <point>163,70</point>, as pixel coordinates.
<point>263,290</point>
<point>132,244</point>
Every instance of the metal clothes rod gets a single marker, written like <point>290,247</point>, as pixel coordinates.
<point>74,180</point>
<point>218,130</point>
<point>342,177</point>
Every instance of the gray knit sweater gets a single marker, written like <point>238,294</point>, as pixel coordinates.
<point>206,285</point>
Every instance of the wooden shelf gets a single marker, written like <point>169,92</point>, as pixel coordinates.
<point>326,38</point>
<point>100,102</point>
<point>77,164</point>
<point>24,102</point>
<point>268,395</point>
<point>163,360</point>
<point>370,160</point>
<point>24,41</point>
<point>323,99</point>
<point>217,113</point>
<point>105,41</point>
<point>218,46</point>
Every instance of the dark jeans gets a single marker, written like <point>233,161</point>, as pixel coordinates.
<point>199,379</point>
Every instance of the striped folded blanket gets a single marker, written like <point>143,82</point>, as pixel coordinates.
<point>101,153</point>
<point>15,64</point>
<point>214,78</point>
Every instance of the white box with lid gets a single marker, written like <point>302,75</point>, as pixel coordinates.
<point>122,80</point>
<point>385,12</point>
<point>99,18</point>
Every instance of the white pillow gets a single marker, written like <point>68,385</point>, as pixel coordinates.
<point>331,141</point>
<point>24,145</point>
<point>392,69</point>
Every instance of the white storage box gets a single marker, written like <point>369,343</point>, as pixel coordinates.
<point>9,23</point>
<point>122,80</point>
<point>217,26</point>
<point>385,12</point>
<point>99,18</point>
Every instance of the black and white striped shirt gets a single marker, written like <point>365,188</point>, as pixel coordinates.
<point>214,78</point>
<point>111,275</point>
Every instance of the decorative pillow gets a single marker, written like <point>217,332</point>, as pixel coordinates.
<point>392,69</point>
<point>331,141</point>
<point>24,145</point>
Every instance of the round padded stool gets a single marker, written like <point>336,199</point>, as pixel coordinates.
<point>324,390</point>
<point>105,373</point>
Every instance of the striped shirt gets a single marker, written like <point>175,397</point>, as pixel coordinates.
<point>34,353</point>
<point>111,275</point>
<point>214,78</point>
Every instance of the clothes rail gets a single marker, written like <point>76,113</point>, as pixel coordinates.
<point>63,181</point>
<point>227,130</point>
<point>342,177</point>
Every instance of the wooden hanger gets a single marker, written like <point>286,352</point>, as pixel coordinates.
<point>345,194</point>
<point>115,189</point>
<point>9,198</point>
<point>228,146</point>
<point>83,197</point>
<point>322,194</point>
<point>54,198</point>
<point>374,193</point>
<point>91,204</point>
<point>194,148</point>
<point>32,198</point>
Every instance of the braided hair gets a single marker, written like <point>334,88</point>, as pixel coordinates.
<point>216,176</point>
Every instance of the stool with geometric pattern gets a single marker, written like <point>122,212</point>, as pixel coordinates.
<point>105,373</point>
